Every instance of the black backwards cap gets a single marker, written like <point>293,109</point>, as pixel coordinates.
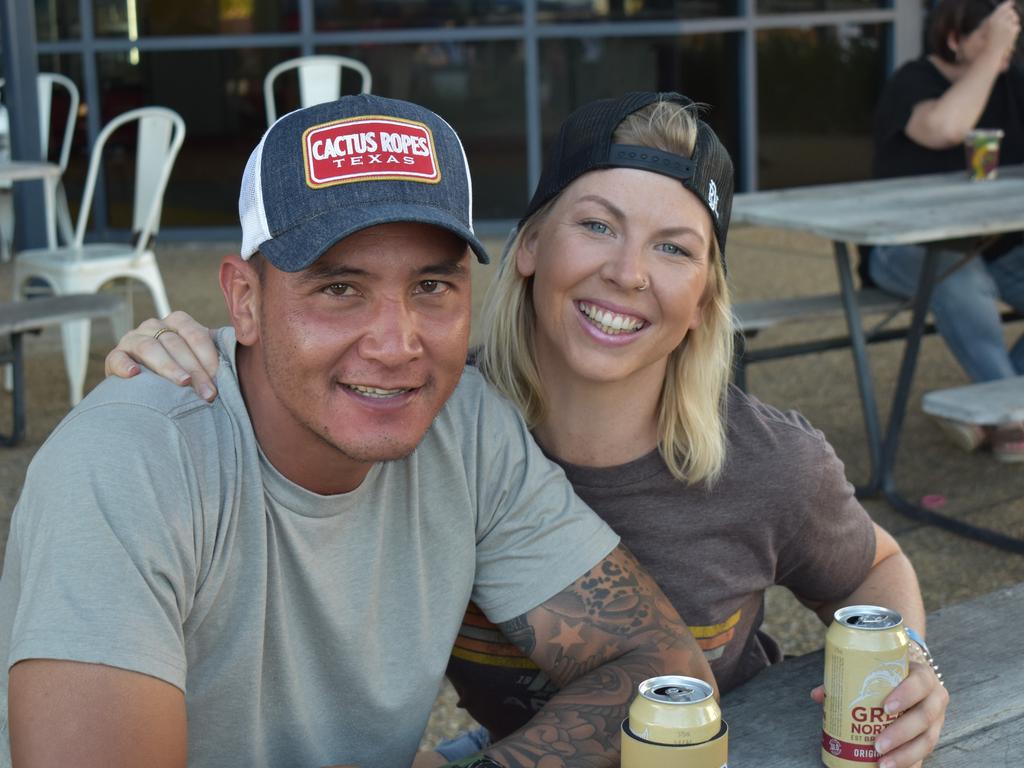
<point>585,144</point>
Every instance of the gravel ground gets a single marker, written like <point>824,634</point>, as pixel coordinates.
<point>763,264</point>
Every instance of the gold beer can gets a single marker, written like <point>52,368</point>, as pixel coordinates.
<point>674,722</point>
<point>866,657</point>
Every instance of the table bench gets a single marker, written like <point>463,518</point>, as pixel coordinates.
<point>20,317</point>
<point>984,403</point>
<point>978,645</point>
<point>753,317</point>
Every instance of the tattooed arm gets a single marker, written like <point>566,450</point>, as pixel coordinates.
<point>597,640</point>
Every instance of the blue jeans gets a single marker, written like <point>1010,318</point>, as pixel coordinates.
<point>464,745</point>
<point>963,304</point>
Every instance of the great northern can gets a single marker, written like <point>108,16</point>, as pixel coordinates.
<point>865,658</point>
<point>674,722</point>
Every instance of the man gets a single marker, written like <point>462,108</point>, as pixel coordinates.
<point>277,578</point>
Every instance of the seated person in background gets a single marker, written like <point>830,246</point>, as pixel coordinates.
<point>609,325</point>
<point>970,78</point>
<point>277,578</point>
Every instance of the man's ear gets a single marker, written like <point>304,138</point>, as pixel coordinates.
<point>240,284</point>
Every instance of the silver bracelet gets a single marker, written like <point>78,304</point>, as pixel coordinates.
<point>917,640</point>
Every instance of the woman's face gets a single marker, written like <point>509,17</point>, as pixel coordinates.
<point>610,233</point>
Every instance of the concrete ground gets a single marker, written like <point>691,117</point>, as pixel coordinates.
<point>762,264</point>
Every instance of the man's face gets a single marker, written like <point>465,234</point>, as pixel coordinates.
<point>362,349</point>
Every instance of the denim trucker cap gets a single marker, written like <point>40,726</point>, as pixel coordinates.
<point>585,144</point>
<point>321,173</point>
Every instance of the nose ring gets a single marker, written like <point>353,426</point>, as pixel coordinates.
<point>644,285</point>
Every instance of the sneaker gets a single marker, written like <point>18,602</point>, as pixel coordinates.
<point>966,437</point>
<point>1008,443</point>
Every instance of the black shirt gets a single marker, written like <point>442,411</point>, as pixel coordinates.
<point>897,155</point>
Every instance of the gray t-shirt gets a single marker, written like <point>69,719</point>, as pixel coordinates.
<point>781,513</point>
<point>306,630</point>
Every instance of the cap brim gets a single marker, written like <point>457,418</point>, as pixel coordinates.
<point>299,247</point>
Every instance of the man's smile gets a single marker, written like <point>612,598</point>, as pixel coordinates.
<point>377,392</point>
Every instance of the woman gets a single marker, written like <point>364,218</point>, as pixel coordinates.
<point>968,80</point>
<point>609,325</point>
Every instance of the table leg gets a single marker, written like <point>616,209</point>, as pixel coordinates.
<point>862,367</point>
<point>887,483</point>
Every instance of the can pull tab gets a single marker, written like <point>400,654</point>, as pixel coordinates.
<point>871,621</point>
<point>676,693</point>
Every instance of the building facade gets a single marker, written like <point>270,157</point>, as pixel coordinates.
<point>790,84</point>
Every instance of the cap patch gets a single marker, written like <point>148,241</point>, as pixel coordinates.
<point>369,148</point>
<point>713,197</point>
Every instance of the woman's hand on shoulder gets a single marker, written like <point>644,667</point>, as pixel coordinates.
<point>177,347</point>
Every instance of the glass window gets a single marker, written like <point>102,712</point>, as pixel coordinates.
<point>703,67</point>
<point>393,14</point>
<point>57,20</point>
<point>219,95</point>
<point>632,10</point>
<point>817,6</point>
<point>478,88</point>
<point>817,93</point>
<point>142,18</point>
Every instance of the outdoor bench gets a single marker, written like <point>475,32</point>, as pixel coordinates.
<point>984,403</point>
<point>19,317</point>
<point>752,317</point>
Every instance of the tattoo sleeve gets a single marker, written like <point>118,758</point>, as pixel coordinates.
<point>597,640</point>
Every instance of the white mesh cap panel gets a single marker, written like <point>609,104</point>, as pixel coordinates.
<point>465,165</point>
<point>255,229</point>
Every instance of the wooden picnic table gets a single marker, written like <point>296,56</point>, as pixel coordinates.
<point>899,211</point>
<point>979,647</point>
<point>930,210</point>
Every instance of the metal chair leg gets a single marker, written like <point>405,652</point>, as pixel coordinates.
<point>17,433</point>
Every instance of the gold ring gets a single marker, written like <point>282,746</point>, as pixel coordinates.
<point>162,331</point>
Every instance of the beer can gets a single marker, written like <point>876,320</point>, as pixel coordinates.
<point>674,722</point>
<point>866,657</point>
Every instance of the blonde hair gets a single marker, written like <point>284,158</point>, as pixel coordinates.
<point>691,409</point>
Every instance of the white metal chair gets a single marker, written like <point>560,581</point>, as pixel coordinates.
<point>47,83</point>
<point>84,267</point>
<point>319,80</point>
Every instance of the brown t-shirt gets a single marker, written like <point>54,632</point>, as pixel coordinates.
<point>781,513</point>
